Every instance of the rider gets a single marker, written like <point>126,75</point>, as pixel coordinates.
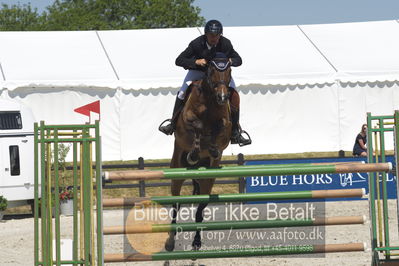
<point>195,58</point>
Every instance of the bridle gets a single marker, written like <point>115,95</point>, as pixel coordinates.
<point>220,71</point>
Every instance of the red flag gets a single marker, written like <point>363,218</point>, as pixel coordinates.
<point>91,107</point>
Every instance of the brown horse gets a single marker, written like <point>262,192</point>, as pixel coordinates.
<point>203,131</point>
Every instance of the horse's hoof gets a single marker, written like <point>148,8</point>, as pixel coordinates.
<point>214,153</point>
<point>170,244</point>
<point>192,159</point>
<point>196,244</point>
<point>166,263</point>
<point>195,248</point>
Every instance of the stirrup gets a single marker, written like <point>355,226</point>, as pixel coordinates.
<point>161,127</point>
<point>248,141</point>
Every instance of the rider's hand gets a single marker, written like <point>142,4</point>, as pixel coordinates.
<point>200,62</point>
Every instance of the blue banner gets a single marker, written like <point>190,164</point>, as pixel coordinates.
<point>315,181</point>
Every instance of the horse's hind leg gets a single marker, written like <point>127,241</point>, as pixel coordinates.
<point>205,188</point>
<point>196,187</point>
<point>170,242</point>
<point>175,189</point>
<point>198,219</point>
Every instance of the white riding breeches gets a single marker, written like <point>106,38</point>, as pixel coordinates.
<point>195,75</point>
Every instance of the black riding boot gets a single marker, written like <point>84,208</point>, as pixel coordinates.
<point>170,128</point>
<point>236,137</point>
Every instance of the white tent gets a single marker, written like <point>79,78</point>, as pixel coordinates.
<point>303,88</point>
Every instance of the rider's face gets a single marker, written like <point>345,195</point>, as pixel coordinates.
<point>212,38</point>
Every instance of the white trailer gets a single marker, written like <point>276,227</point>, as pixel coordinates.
<point>16,153</point>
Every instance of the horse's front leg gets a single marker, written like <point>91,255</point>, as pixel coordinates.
<point>215,146</point>
<point>214,149</point>
<point>193,156</point>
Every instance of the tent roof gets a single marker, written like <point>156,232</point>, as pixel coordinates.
<point>143,59</point>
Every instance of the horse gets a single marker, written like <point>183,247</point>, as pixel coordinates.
<point>203,131</point>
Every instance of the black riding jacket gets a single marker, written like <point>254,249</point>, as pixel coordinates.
<point>197,49</point>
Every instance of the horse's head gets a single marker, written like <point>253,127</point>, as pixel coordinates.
<point>218,78</point>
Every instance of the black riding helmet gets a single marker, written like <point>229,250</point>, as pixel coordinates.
<point>214,26</point>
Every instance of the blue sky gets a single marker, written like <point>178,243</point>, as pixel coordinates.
<point>282,12</point>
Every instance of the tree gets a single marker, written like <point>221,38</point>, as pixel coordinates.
<point>121,14</point>
<point>101,15</point>
<point>19,18</point>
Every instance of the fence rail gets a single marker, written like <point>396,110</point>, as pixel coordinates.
<point>142,185</point>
